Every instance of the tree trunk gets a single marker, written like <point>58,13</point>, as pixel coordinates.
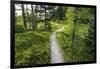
<point>32,18</point>
<point>24,19</point>
<point>45,19</point>
<point>74,30</point>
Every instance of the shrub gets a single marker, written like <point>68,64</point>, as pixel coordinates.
<point>32,48</point>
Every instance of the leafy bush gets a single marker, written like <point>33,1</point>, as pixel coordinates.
<point>32,48</point>
<point>79,51</point>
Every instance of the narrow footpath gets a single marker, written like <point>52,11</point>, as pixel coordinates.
<point>56,56</point>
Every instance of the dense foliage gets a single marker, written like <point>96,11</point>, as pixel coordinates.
<point>82,47</point>
<point>32,48</point>
<point>33,31</point>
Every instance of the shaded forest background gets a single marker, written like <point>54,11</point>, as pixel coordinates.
<point>36,23</point>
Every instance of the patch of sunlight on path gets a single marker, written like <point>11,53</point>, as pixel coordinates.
<point>56,56</point>
<point>59,30</point>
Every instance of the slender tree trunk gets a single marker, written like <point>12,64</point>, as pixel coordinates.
<point>36,15</point>
<point>24,18</point>
<point>33,20</point>
<point>32,8</point>
<point>74,30</point>
<point>28,16</point>
<point>45,19</point>
<point>60,13</point>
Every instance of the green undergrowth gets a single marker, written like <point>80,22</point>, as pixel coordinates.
<point>79,51</point>
<point>32,48</point>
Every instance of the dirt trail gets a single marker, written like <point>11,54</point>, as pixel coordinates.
<point>56,56</point>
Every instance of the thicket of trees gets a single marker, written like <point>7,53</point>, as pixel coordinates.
<point>36,22</point>
<point>38,13</point>
<point>87,16</point>
<point>81,46</point>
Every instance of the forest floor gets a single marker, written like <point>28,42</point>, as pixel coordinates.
<point>56,56</point>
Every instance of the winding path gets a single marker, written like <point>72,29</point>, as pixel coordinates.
<point>56,56</point>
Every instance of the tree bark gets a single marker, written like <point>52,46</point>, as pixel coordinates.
<point>24,18</point>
